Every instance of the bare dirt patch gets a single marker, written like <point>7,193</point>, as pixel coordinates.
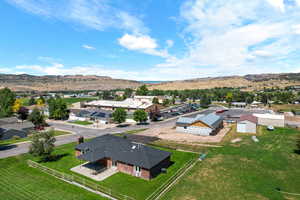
<point>169,133</point>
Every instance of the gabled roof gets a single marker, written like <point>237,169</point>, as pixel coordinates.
<point>123,150</point>
<point>211,120</point>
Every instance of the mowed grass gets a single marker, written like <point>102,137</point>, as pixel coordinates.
<point>20,182</point>
<point>83,123</point>
<point>71,100</point>
<point>122,183</point>
<point>246,170</point>
<point>14,140</point>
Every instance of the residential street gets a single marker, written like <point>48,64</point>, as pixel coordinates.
<point>13,150</point>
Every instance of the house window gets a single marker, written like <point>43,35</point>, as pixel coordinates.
<point>137,170</point>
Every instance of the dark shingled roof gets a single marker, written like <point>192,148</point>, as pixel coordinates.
<point>123,150</point>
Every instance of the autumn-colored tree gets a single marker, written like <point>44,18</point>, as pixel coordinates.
<point>17,105</point>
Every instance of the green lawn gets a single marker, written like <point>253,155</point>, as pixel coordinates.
<point>20,182</point>
<point>70,101</point>
<point>84,123</point>
<point>122,183</point>
<point>246,170</point>
<point>13,141</point>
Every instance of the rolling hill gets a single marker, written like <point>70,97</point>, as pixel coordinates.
<point>247,82</point>
<point>25,82</point>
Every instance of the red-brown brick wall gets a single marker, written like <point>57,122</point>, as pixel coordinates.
<point>129,169</point>
<point>145,174</point>
<point>125,168</point>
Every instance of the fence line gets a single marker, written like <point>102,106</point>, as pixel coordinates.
<point>159,190</point>
<point>79,180</point>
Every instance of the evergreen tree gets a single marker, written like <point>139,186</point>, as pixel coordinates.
<point>205,101</point>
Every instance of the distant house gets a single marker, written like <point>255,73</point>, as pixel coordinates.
<point>125,156</point>
<point>101,116</point>
<point>98,115</point>
<point>79,115</point>
<point>204,125</point>
<point>120,93</point>
<point>10,127</point>
<point>270,119</point>
<point>247,124</point>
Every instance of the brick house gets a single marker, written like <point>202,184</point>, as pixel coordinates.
<point>124,155</point>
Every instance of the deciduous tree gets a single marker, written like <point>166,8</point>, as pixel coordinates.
<point>42,144</point>
<point>140,116</point>
<point>37,118</point>
<point>7,100</point>
<point>119,115</point>
<point>23,113</point>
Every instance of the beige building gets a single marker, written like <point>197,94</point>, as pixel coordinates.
<point>270,120</point>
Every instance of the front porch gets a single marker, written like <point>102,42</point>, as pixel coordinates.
<point>95,170</point>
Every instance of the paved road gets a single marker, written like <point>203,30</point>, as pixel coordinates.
<point>13,150</point>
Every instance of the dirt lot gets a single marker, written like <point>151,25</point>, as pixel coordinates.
<point>169,133</point>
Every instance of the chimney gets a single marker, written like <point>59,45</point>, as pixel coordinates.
<point>80,139</point>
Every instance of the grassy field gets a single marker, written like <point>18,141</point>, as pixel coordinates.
<point>70,101</point>
<point>84,123</point>
<point>123,183</point>
<point>246,170</point>
<point>286,107</point>
<point>17,140</point>
<point>20,182</point>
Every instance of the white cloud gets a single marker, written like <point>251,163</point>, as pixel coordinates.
<point>142,43</point>
<point>30,67</point>
<point>133,42</point>
<point>89,47</point>
<point>279,4</point>
<point>95,14</point>
<point>5,70</point>
<point>225,37</point>
<point>296,28</point>
<point>169,43</point>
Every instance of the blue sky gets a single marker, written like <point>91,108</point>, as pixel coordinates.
<point>149,39</point>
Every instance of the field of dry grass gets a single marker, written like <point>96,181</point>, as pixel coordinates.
<point>236,82</point>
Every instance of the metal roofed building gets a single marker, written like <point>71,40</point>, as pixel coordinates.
<point>247,124</point>
<point>129,104</point>
<point>124,155</point>
<point>204,125</point>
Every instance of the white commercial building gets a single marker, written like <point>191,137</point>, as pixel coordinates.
<point>270,119</point>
